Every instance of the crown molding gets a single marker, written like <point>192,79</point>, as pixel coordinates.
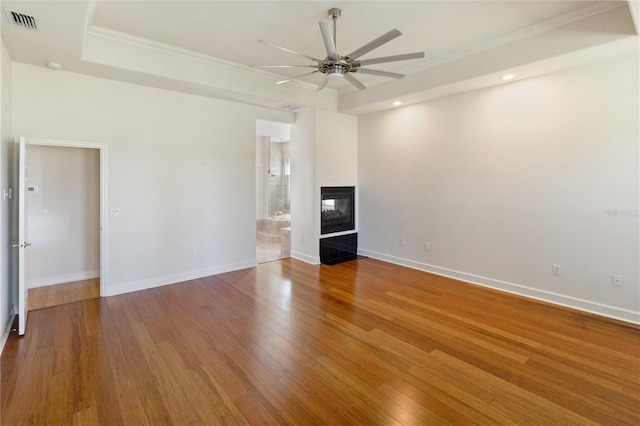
<point>511,37</point>
<point>120,37</point>
<point>530,31</point>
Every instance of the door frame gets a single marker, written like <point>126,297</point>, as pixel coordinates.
<point>102,149</point>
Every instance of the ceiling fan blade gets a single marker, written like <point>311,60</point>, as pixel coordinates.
<point>298,76</point>
<point>380,73</point>
<point>288,50</point>
<point>284,66</point>
<point>385,38</point>
<point>351,79</point>
<point>329,42</point>
<point>323,83</point>
<point>385,59</point>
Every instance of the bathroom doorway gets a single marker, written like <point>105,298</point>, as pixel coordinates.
<point>273,191</point>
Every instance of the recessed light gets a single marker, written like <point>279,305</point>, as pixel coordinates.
<point>54,65</point>
<point>397,103</point>
<point>507,77</point>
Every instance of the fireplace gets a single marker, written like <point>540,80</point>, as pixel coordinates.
<point>337,209</point>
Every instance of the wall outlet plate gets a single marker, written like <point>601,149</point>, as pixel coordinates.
<point>616,280</point>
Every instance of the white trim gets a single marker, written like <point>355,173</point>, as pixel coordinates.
<point>634,9</point>
<point>61,279</point>
<point>177,278</point>
<point>338,234</point>
<point>102,148</point>
<point>144,43</point>
<point>314,260</point>
<point>521,290</point>
<point>530,31</point>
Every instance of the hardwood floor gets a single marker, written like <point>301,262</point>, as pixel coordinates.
<point>54,295</point>
<point>268,252</point>
<point>363,342</point>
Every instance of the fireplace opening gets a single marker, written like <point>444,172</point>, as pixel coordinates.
<point>337,209</point>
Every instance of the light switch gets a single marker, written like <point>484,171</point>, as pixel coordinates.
<point>115,212</point>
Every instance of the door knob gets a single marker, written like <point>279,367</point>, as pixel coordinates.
<point>23,245</point>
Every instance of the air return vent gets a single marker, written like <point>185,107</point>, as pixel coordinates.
<point>290,107</point>
<point>22,20</point>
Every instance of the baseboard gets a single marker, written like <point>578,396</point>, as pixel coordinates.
<point>62,279</point>
<point>520,290</point>
<point>305,258</point>
<point>176,278</point>
<point>5,332</point>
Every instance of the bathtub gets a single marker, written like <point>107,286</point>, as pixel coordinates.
<point>269,229</point>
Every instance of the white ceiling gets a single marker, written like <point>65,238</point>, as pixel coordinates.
<point>91,37</point>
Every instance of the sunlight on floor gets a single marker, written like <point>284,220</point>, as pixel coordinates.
<point>268,252</point>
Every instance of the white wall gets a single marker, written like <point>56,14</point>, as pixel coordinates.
<point>504,182</point>
<point>336,149</point>
<point>181,169</point>
<point>63,215</point>
<point>5,182</point>
<point>278,132</point>
<point>323,153</point>
<point>303,170</point>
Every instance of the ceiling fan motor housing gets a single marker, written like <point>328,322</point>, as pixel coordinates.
<point>343,65</point>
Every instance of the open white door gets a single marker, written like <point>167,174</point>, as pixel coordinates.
<point>22,243</point>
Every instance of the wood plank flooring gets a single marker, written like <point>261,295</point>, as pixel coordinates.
<point>363,342</point>
<point>54,295</point>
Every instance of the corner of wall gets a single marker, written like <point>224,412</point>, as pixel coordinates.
<point>6,133</point>
<point>303,170</point>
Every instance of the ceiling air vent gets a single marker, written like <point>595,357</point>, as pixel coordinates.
<point>290,107</point>
<point>22,20</point>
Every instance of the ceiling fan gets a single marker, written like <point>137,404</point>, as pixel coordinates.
<point>336,66</point>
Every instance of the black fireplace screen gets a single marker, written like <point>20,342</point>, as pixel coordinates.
<point>337,209</point>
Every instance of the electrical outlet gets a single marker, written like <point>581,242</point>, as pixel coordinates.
<point>426,246</point>
<point>401,242</point>
<point>557,269</point>
<point>616,280</point>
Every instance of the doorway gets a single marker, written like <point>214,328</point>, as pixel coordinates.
<point>64,225</point>
<point>83,274</point>
<point>273,191</point>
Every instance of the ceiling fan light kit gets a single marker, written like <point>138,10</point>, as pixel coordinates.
<point>336,74</point>
<point>335,66</point>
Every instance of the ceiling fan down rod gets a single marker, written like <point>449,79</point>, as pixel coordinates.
<point>335,14</point>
